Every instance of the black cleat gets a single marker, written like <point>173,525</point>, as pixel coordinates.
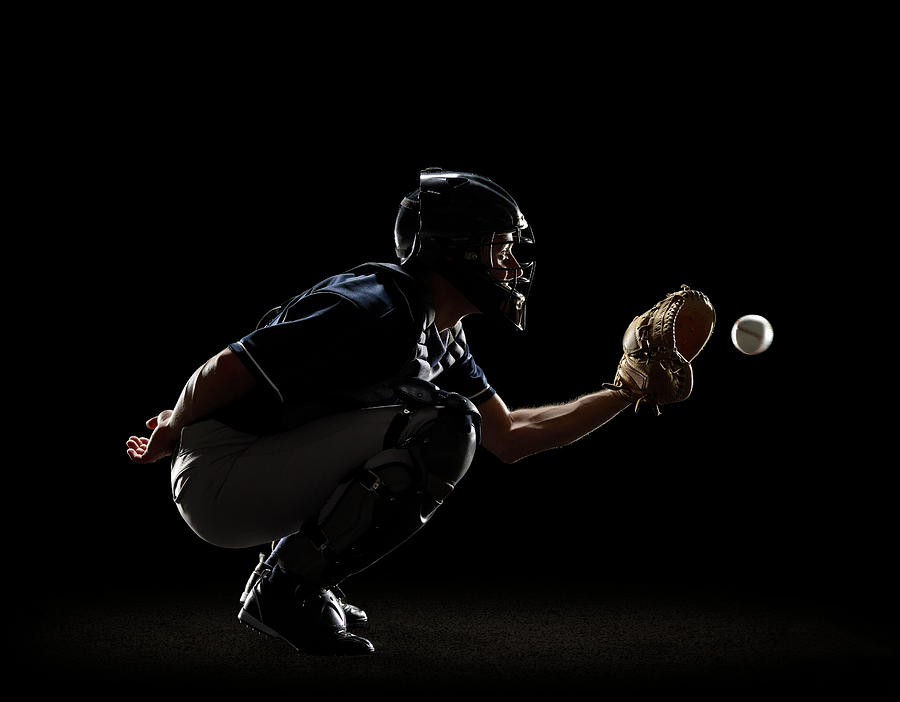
<point>354,614</point>
<point>311,619</point>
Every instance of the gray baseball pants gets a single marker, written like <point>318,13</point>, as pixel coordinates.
<point>238,490</point>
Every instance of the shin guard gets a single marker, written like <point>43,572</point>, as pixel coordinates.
<point>428,449</point>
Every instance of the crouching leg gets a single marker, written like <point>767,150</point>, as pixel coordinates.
<point>427,450</point>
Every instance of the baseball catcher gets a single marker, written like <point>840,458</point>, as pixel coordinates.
<point>337,427</point>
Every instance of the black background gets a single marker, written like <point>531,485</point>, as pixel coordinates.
<point>188,209</point>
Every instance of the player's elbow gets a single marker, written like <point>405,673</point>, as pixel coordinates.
<point>505,449</point>
<point>502,432</point>
<point>508,457</point>
<point>232,372</point>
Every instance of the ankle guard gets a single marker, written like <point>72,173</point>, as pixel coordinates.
<point>427,449</point>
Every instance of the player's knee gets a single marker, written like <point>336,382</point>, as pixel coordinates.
<point>443,433</point>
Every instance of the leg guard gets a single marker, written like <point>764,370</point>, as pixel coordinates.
<point>428,449</point>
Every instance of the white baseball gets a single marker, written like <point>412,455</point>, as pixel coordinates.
<point>752,334</point>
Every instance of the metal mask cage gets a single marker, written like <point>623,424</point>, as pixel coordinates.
<point>507,293</point>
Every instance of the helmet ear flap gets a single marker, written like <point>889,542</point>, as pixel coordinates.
<point>405,254</point>
<point>407,241</point>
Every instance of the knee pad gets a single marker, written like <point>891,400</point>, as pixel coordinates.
<point>427,450</point>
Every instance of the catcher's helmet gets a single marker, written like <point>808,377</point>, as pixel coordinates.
<point>470,230</point>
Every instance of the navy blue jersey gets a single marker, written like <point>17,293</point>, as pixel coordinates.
<point>341,344</point>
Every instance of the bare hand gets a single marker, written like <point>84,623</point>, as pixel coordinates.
<point>161,443</point>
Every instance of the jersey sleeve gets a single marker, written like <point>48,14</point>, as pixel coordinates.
<point>463,374</point>
<point>320,347</point>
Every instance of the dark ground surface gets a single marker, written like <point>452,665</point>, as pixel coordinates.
<point>432,638</point>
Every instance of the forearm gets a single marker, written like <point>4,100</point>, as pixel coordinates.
<point>214,385</point>
<point>533,430</point>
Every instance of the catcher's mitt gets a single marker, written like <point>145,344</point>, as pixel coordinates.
<point>659,346</point>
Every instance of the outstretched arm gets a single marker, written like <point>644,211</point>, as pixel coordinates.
<point>215,384</point>
<point>513,435</point>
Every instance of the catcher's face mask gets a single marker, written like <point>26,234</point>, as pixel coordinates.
<point>507,265</point>
<point>470,230</point>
